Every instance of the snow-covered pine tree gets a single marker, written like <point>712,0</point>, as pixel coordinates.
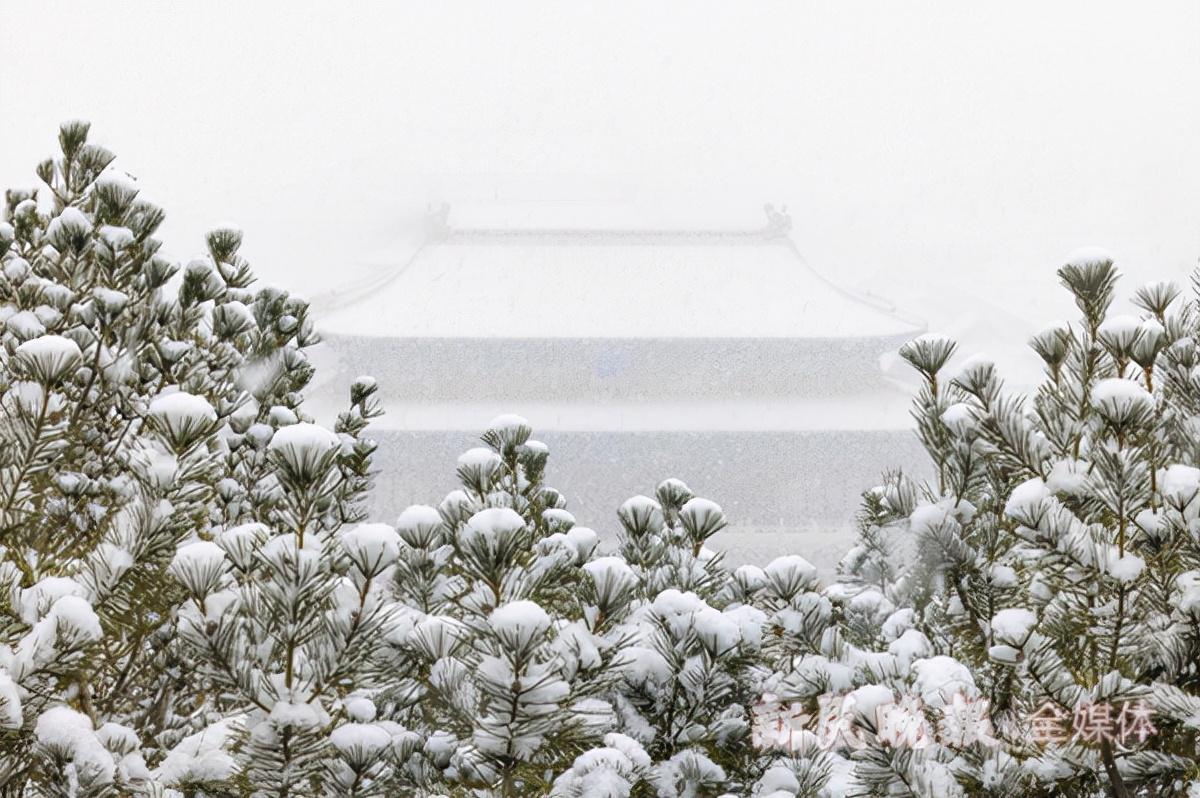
<point>507,640</point>
<point>192,603</point>
<point>97,486</point>
<point>690,677</point>
<point>525,662</point>
<point>1055,548</point>
<point>284,622</point>
<point>138,404</point>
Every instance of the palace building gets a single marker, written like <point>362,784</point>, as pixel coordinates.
<point>718,356</point>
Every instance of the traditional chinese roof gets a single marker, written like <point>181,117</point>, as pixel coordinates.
<point>609,282</point>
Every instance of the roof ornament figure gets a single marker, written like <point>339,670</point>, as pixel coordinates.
<point>437,222</point>
<point>779,222</point>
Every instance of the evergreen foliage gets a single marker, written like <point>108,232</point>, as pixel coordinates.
<point>193,601</point>
<point>1055,555</point>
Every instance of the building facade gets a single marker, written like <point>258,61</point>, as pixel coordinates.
<point>718,356</point>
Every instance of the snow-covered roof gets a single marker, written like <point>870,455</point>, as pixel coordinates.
<point>530,282</point>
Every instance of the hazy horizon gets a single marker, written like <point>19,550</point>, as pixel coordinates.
<point>926,151</point>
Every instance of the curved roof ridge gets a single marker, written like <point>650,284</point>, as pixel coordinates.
<point>870,300</point>
<point>777,227</point>
<point>542,282</point>
<point>481,235</point>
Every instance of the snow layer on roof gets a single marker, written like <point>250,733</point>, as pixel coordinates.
<point>615,214</point>
<point>609,284</point>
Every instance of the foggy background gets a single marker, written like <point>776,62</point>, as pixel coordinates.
<point>928,151</point>
<point>946,156</point>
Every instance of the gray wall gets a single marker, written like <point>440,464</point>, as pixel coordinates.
<point>621,369</point>
<point>769,483</point>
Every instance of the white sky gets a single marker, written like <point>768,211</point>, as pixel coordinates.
<point>921,146</point>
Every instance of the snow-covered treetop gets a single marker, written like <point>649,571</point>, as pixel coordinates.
<point>496,522</point>
<point>48,359</point>
<point>1086,256</point>
<point>519,622</point>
